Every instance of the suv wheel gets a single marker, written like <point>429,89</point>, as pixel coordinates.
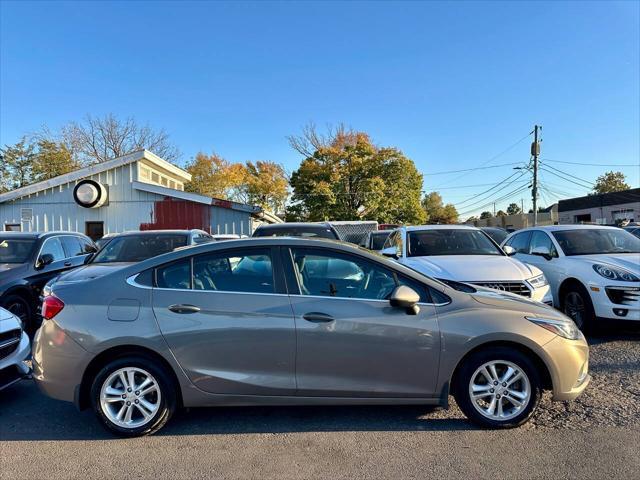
<point>498,388</point>
<point>20,307</point>
<point>577,305</point>
<point>132,396</point>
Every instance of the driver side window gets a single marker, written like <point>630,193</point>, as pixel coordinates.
<point>53,247</point>
<point>334,274</point>
<point>541,239</point>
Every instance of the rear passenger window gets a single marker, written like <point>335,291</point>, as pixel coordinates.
<point>72,246</point>
<point>175,275</point>
<point>249,271</point>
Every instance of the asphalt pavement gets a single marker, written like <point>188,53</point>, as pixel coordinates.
<point>595,436</point>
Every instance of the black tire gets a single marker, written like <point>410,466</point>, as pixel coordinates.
<point>20,306</point>
<point>166,405</point>
<point>574,296</point>
<point>478,359</point>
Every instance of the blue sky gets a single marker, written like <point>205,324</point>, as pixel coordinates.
<point>451,84</point>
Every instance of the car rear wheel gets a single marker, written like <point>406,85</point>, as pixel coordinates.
<point>577,305</point>
<point>132,396</point>
<point>498,388</point>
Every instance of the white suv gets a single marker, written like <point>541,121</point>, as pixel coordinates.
<point>594,271</point>
<point>465,254</point>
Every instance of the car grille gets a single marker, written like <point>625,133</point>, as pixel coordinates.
<point>623,295</point>
<point>9,342</point>
<point>512,287</point>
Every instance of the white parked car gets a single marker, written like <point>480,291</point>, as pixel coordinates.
<point>14,349</point>
<point>593,271</point>
<point>465,254</point>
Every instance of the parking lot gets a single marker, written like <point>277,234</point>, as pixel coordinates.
<point>592,437</point>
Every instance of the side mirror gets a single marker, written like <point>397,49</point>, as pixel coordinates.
<point>405,297</point>
<point>542,251</point>
<point>390,252</point>
<point>44,260</point>
<point>509,250</point>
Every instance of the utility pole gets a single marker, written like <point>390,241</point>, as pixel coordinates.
<point>535,151</point>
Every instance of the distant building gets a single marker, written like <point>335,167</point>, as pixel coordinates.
<point>607,208</point>
<point>549,216</point>
<point>138,191</point>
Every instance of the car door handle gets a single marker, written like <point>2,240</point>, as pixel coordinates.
<point>184,309</point>
<point>317,317</point>
<point>67,264</point>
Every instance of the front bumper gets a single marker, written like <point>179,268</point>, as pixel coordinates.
<point>568,363</point>
<point>58,362</point>
<point>14,367</point>
<point>616,300</point>
<point>543,295</point>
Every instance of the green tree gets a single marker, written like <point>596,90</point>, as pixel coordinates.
<point>16,165</point>
<point>501,213</point>
<point>436,211</point>
<point>610,182</point>
<point>484,215</point>
<point>345,177</point>
<point>50,160</point>
<point>214,176</point>
<point>513,209</point>
<point>266,185</point>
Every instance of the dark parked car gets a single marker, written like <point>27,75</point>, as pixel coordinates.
<point>633,229</point>
<point>29,260</point>
<point>497,234</point>
<point>291,229</point>
<point>123,249</point>
<point>375,240</point>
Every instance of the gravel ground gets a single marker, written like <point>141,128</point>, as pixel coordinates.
<point>595,436</point>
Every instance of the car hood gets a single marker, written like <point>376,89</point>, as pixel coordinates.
<point>511,301</point>
<point>628,261</point>
<point>90,272</point>
<point>472,268</point>
<point>12,267</point>
<point>8,321</point>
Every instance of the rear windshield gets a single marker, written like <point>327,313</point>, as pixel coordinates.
<point>593,241</point>
<point>310,231</point>
<point>15,250</point>
<point>135,248</point>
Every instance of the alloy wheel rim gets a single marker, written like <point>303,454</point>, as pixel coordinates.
<point>499,390</point>
<point>19,309</point>
<point>130,397</point>
<point>574,308</point>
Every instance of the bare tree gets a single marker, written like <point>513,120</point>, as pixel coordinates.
<point>97,139</point>
<point>310,140</point>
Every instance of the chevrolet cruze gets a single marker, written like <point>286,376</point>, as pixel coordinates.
<point>290,321</point>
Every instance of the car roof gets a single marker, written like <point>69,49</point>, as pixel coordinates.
<point>439,227</point>
<point>493,228</point>
<point>557,228</point>
<point>36,235</point>
<point>152,232</point>
<point>278,226</point>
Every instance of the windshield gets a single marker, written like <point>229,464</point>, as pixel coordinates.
<point>378,239</point>
<point>424,243</point>
<point>15,250</point>
<point>135,248</point>
<point>318,231</point>
<point>593,241</point>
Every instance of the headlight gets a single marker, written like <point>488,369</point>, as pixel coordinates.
<point>563,328</point>
<point>615,273</point>
<point>538,281</point>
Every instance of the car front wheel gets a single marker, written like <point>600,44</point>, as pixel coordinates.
<point>577,305</point>
<point>132,396</point>
<point>498,388</point>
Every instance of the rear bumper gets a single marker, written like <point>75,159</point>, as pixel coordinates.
<point>58,362</point>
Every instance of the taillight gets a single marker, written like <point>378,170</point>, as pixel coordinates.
<point>51,306</point>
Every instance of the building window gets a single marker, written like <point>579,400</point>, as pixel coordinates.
<point>155,178</point>
<point>165,181</point>
<point>144,173</point>
<point>172,184</point>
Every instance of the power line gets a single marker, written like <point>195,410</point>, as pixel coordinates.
<point>571,175</point>
<point>474,169</point>
<point>475,196</point>
<point>593,164</point>
<point>504,197</point>
<point>510,147</point>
